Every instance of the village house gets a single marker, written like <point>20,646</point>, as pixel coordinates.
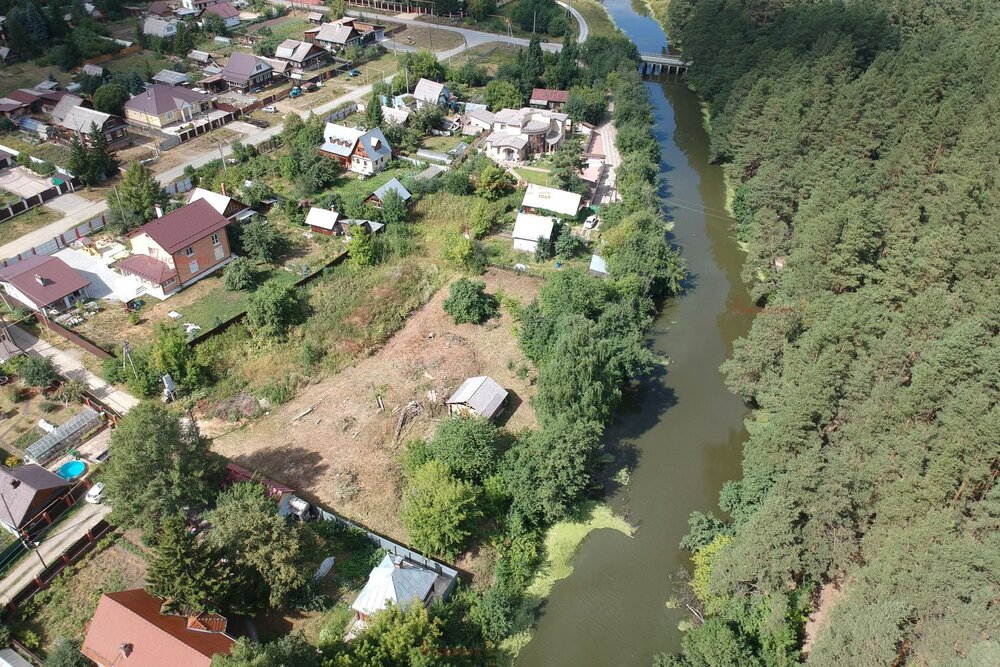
<point>376,198</point>
<point>67,104</point>
<point>399,581</point>
<point>27,491</point>
<point>478,119</point>
<point>159,8</point>
<point>245,72</point>
<point>154,26</point>
<point>395,116</point>
<point>528,228</point>
<point>480,396</point>
<point>517,134</point>
<point>160,106</point>
<point>230,15</point>
<point>546,98</point>
<point>79,122</point>
<point>130,628</point>
<point>168,77</point>
<point>344,33</point>
<point>225,205</point>
<point>361,152</point>
<point>538,198</point>
<point>7,159</point>
<point>300,55</point>
<point>431,93</point>
<point>198,5</point>
<point>323,221</point>
<point>178,248</point>
<point>92,70</point>
<point>41,282</point>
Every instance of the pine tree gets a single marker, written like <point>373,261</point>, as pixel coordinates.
<point>81,163</point>
<point>373,112</point>
<point>186,572</point>
<point>105,163</point>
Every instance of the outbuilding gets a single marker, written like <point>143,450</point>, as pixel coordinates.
<point>376,198</point>
<point>528,228</point>
<point>323,221</point>
<point>480,396</point>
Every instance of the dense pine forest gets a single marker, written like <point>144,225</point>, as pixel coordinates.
<point>861,142</point>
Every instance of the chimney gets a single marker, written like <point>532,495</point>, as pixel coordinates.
<point>159,211</point>
<point>125,649</point>
<point>39,279</point>
<point>224,190</point>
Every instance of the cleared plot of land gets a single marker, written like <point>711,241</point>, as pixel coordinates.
<point>433,39</point>
<point>343,451</point>
<point>28,74</point>
<point>29,221</point>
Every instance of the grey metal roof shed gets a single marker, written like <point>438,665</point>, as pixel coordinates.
<point>481,394</point>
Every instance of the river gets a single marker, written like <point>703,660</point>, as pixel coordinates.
<point>685,433</point>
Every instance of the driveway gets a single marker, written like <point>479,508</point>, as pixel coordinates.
<point>69,363</point>
<point>56,541</point>
<point>23,182</point>
<point>105,283</point>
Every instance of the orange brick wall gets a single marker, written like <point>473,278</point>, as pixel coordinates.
<point>204,253</point>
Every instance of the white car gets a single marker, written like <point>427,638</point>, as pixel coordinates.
<point>590,222</point>
<point>96,493</point>
<point>270,109</point>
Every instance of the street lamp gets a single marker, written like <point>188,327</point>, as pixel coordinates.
<point>14,483</point>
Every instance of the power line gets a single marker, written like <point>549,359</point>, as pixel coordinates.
<point>702,211</point>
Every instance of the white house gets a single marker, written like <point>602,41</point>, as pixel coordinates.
<point>158,27</point>
<point>528,227</point>
<point>41,281</point>
<point>517,134</point>
<point>397,580</point>
<point>362,152</point>
<point>431,93</point>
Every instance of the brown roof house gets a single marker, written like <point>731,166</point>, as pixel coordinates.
<point>245,72</point>
<point>300,55</point>
<point>480,396</point>
<point>27,491</point>
<point>230,15</point>
<point>41,282</point>
<point>80,121</point>
<point>547,98</point>
<point>178,249</point>
<point>160,106</point>
<point>128,628</point>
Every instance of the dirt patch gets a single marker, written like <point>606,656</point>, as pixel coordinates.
<point>333,443</point>
<point>829,595</point>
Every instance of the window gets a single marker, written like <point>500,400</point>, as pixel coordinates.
<point>215,239</point>
<point>169,281</point>
<point>193,267</point>
<point>219,252</point>
<point>170,115</point>
<point>189,251</point>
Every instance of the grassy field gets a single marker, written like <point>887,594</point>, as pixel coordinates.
<point>352,188</point>
<point>29,221</point>
<point>442,144</point>
<point>27,74</point>
<point>596,16</point>
<point>536,177</point>
<point>48,151</point>
<point>145,62</point>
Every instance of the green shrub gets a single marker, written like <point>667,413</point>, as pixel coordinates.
<point>469,302</point>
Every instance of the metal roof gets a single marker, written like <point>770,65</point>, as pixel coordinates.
<point>396,580</point>
<point>170,77</point>
<point>551,199</point>
<point>322,218</point>
<point>394,184</point>
<point>480,393</point>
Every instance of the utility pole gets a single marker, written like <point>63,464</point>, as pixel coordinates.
<point>225,169</point>
<point>14,483</point>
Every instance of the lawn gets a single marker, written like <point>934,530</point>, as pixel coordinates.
<point>352,188</point>
<point>536,177</point>
<point>433,39</point>
<point>145,62</point>
<point>442,144</point>
<point>29,221</point>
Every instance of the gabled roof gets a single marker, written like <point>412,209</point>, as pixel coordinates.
<point>528,227</point>
<point>159,8</point>
<point>223,10</point>
<point>543,95</point>
<point>396,580</point>
<point>395,116</point>
<point>24,96</point>
<point>81,119</point>
<point>93,70</point>
<point>296,51</point>
<point>503,139</point>
<point>375,144</point>
<point>182,227</point>
<point>35,489</point>
<point>322,218</point>
<point>551,199</point>
<point>64,106</point>
<point>395,185</point>
<point>219,202</point>
<point>428,91</point>
<point>169,77</point>
<point>335,33</point>
<point>480,393</point>
<point>159,99</point>
<point>43,279</point>
<point>128,628</point>
<point>482,115</point>
<point>340,139</point>
<point>242,66</point>
<point>159,27</point>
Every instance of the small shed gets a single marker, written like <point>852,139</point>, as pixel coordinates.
<point>398,581</point>
<point>376,198</point>
<point>169,77</point>
<point>598,266</point>
<point>478,396</point>
<point>323,221</point>
<point>528,228</point>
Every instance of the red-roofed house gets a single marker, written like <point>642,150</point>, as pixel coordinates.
<point>546,98</point>
<point>178,248</point>
<point>128,629</point>
<point>41,282</point>
<point>230,15</point>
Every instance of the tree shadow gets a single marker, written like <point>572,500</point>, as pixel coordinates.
<point>513,403</point>
<point>289,465</point>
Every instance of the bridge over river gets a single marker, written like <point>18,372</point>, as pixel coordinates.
<point>656,63</point>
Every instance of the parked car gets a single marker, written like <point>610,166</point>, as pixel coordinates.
<point>590,222</point>
<point>96,493</point>
<point>353,73</point>
<point>270,109</point>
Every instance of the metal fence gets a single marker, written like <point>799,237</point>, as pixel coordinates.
<point>57,243</point>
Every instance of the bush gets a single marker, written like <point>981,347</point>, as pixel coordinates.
<point>469,302</point>
<point>468,446</point>
<point>240,275</point>
<point>439,511</point>
<point>66,653</point>
<point>37,371</point>
<point>273,308</point>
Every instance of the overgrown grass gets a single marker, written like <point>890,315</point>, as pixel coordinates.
<point>145,62</point>
<point>561,543</point>
<point>28,74</point>
<point>49,151</point>
<point>29,221</point>
<point>536,177</point>
<point>597,18</point>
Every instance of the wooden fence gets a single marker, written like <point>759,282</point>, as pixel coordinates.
<point>74,553</point>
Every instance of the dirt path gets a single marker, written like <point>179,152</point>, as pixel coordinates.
<point>332,442</point>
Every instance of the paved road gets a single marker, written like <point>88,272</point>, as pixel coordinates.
<point>69,363</point>
<point>582,22</point>
<point>56,541</point>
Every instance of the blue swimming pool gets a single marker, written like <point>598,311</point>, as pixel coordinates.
<point>72,469</point>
